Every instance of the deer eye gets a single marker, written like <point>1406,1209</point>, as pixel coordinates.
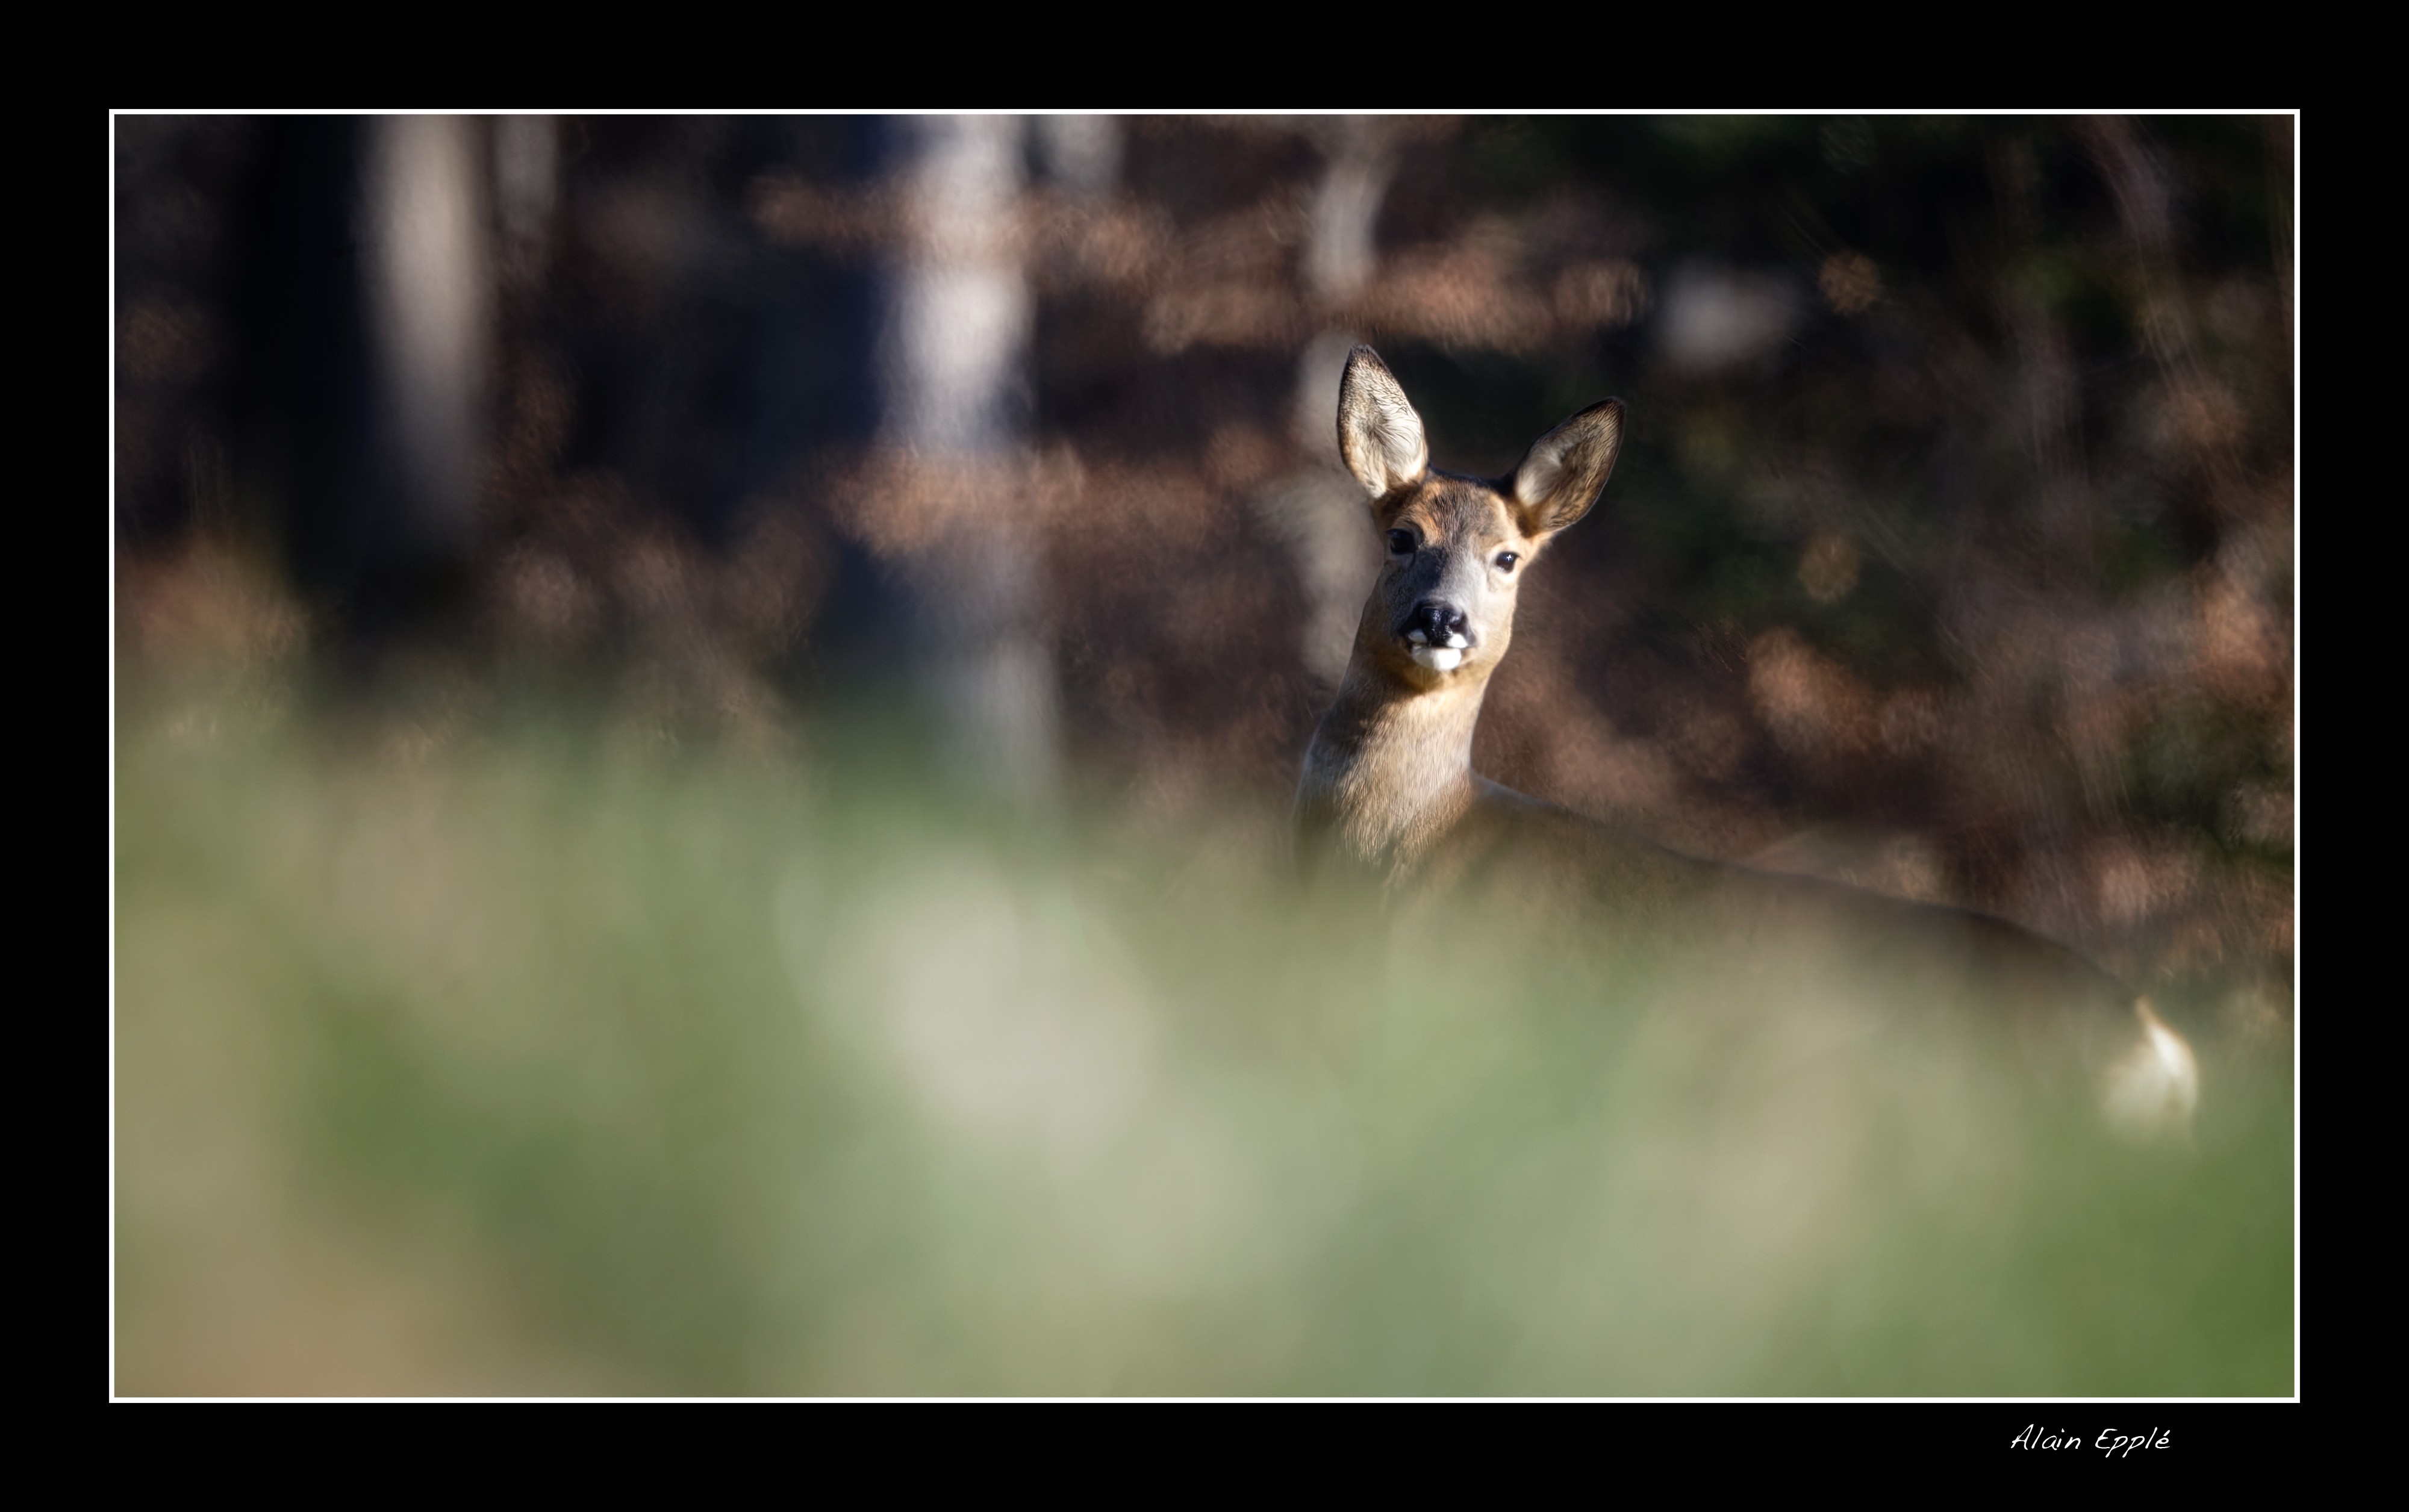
<point>1506,561</point>
<point>1401,542</point>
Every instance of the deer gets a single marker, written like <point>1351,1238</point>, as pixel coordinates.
<point>1388,787</point>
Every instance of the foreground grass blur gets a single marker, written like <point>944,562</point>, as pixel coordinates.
<point>549,1060</point>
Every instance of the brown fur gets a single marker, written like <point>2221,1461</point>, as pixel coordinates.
<point>1389,785</point>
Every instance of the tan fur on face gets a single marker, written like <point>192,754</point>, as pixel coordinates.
<point>1462,526</point>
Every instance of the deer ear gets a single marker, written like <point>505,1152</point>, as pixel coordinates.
<point>1565,472</point>
<point>1378,433</point>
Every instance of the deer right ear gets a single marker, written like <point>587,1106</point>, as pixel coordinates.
<point>1566,470</point>
<point>1378,433</point>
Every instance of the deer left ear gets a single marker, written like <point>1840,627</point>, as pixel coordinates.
<point>1379,436</point>
<point>1565,472</point>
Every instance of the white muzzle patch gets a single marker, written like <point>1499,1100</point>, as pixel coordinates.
<point>1439,659</point>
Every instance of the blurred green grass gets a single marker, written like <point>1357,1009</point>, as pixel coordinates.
<point>545,1057</point>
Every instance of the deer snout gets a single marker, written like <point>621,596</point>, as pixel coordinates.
<point>1436,624</point>
<point>1439,633</point>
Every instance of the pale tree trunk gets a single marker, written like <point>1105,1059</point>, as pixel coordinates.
<point>428,275</point>
<point>953,372</point>
<point>1320,510</point>
<point>1081,154</point>
<point>364,323</point>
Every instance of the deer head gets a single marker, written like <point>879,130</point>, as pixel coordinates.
<point>1442,612</point>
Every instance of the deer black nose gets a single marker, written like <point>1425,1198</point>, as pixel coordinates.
<point>1441,623</point>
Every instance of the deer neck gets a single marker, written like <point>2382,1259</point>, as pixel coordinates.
<point>1389,770</point>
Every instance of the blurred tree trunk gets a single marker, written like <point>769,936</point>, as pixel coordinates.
<point>526,190</point>
<point>1080,154</point>
<point>1320,508</point>
<point>953,381</point>
<point>364,323</point>
<point>2048,392</point>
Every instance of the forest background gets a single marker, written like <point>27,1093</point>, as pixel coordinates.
<point>990,460</point>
